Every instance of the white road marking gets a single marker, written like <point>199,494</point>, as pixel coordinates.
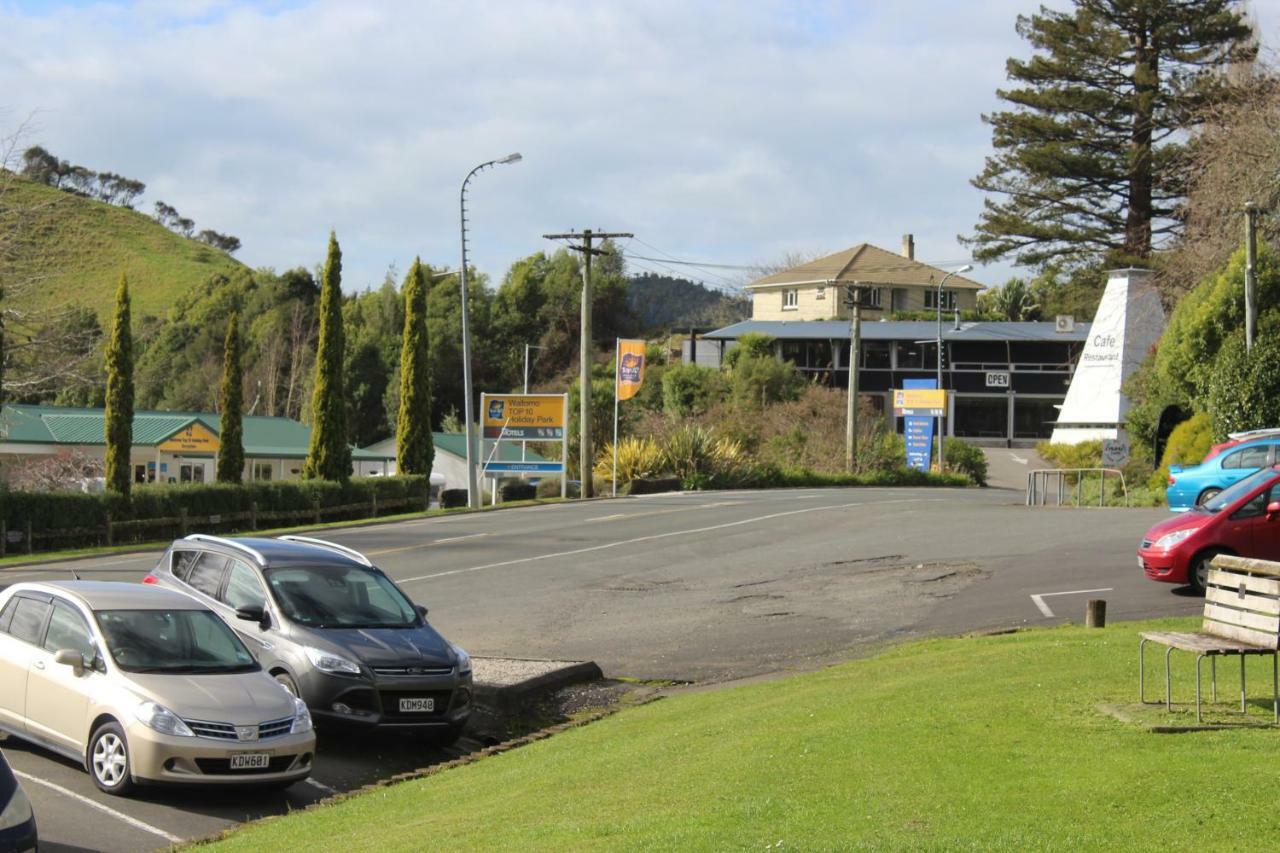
<point>1016,458</point>
<point>1038,600</point>
<point>321,786</point>
<point>613,517</point>
<point>121,816</point>
<point>426,544</point>
<point>656,536</point>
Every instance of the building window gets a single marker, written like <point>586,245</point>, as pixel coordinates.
<point>262,470</point>
<point>790,299</point>
<point>873,297</point>
<point>821,293</point>
<point>931,300</point>
<point>876,355</point>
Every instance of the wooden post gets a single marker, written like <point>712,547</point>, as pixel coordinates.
<point>1095,613</point>
<point>4,536</point>
<point>182,521</point>
<point>373,502</point>
<point>110,537</point>
<point>315,507</point>
<point>253,515</point>
<point>27,537</point>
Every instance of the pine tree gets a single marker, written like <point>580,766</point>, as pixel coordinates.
<point>329,456</point>
<point>231,441</point>
<point>118,416</point>
<point>1088,160</point>
<point>414,449</point>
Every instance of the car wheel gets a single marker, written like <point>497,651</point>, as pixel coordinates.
<point>286,681</point>
<point>109,760</point>
<point>1207,495</point>
<point>1198,574</point>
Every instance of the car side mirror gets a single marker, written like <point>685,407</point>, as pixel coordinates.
<point>422,611</point>
<point>71,658</point>
<point>254,613</point>
<point>1273,509</point>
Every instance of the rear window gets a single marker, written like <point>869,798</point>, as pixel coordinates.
<point>206,575</point>
<point>181,564</point>
<point>28,619</point>
<point>6,614</point>
<point>1250,457</point>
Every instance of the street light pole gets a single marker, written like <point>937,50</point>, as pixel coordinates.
<point>963,269</point>
<point>473,491</point>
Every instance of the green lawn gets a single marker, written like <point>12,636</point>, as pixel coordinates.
<point>982,742</point>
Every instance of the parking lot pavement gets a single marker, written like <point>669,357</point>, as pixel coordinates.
<point>702,586</point>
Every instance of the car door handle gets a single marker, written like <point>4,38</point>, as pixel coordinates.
<point>38,665</point>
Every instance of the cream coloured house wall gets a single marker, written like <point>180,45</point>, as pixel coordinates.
<point>768,303</point>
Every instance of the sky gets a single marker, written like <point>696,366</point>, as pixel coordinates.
<point>733,132</point>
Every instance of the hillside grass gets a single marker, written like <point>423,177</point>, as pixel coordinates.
<point>976,742</point>
<point>71,249</point>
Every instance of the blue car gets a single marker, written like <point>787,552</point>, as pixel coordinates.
<point>17,823</point>
<point>1192,485</point>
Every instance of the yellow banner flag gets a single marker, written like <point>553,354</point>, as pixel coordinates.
<point>630,368</point>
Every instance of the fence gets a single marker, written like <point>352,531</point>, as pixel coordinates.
<point>112,532</point>
<point>1038,485</point>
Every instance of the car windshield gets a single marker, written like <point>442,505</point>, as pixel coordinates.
<point>340,597</point>
<point>173,641</point>
<point>1233,493</point>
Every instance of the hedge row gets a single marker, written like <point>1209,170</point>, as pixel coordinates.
<point>80,514</point>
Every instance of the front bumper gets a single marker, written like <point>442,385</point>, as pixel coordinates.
<point>364,702</point>
<point>21,838</point>
<point>165,759</point>
<point>1163,566</point>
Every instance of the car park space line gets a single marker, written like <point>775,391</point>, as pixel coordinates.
<point>322,787</point>
<point>121,816</point>
<point>1038,599</point>
<point>656,536</point>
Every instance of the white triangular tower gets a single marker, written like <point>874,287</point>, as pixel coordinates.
<point>1129,321</point>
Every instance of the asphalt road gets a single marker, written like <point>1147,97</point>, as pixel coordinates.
<point>691,587</point>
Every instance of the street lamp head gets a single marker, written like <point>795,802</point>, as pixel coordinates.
<point>964,269</point>
<point>511,158</point>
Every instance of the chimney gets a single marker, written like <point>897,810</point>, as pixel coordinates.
<point>908,247</point>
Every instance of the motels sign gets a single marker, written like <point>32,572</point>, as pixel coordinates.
<point>524,417</point>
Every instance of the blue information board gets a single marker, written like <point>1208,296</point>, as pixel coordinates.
<point>918,430</point>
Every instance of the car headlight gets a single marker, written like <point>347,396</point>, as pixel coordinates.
<point>1170,539</point>
<point>464,659</point>
<point>162,720</point>
<point>329,662</point>
<point>301,717</point>
<point>17,811</point>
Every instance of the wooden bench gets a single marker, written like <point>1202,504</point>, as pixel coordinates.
<point>1241,618</point>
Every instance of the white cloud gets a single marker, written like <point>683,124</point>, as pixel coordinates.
<point>722,131</point>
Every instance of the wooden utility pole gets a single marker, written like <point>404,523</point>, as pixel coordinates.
<point>1250,272</point>
<point>585,458</point>
<point>853,299</point>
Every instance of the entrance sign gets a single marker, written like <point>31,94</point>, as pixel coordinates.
<point>1115,452</point>
<point>524,417</point>
<point>918,404</point>
<point>193,438</point>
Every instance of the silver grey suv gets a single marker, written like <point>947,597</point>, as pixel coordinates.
<point>330,627</point>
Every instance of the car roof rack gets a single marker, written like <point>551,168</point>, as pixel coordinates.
<point>332,546</point>
<point>1253,433</point>
<point>230,543</point>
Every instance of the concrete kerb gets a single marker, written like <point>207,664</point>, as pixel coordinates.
<point>509,684</point>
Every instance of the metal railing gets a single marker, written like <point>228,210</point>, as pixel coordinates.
<point>1041,484</point>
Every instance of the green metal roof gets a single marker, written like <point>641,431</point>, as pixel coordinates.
<point>508,451</point>
<point>269,437</point>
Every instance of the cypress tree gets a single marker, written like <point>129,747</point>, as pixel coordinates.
<point>414,449</point>
<point>329,456</point>
<point>118,415</point>
<point>231,445</point>
<point>1090,157</point>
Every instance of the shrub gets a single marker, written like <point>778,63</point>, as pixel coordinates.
<point>1188,444</point>
<point>637,457</point>
<point>758,381</point>
<point>518,491</point>
<point>750,345</point>
<point>1086,454</point>
<point>701,459</point>
<point>549,487</point>
<point>967,459</point>
<point>453,498</point>
<point>688,389</point>
<point>1244,388</point>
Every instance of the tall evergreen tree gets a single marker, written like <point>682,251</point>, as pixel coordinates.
<point>329,456</point>
<point>231,441</point>
<point>414,448</point>
<point>1089,158</point>
<point>118,416</point>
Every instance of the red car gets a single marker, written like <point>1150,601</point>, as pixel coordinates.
<point>1244,519</point>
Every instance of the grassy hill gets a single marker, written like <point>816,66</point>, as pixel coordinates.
<point>64,248</point>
